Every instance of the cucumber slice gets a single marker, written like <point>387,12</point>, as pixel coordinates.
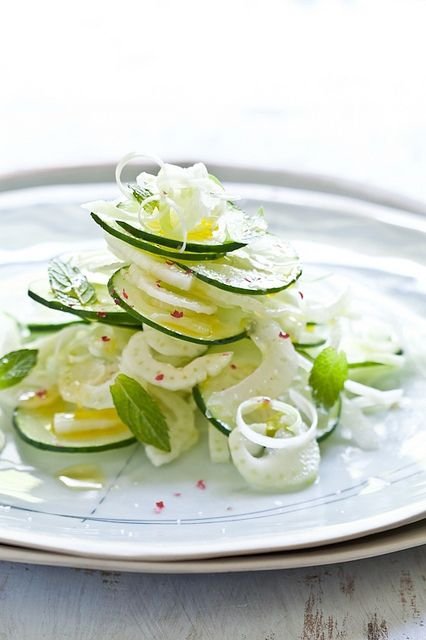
<point>227,325</point>
<point>34,426</point>
<point>314,335</point>
<point>265,266</point>
<point>105,310</point>
<point>29,315</point>
<point>309,345</point>
<point>246,358</point>
<point>97,267</point>
<point>225,247</point>
<point>113,228</point>
<point>328,421</point>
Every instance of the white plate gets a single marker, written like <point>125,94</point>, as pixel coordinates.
<point>407,537</point>
<point>358,493</point>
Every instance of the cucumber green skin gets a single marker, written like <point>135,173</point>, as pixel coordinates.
<point>178,244</point>
<point>149,247</point>
<point>142,319</point>
<point>326,434</point>
<point>199,401</point>
<point>45,328</point>
<point>118,318</point>
<point>367,364</point>
<point>68,449</point>
<point>309,345</point>
<point>234,289</point>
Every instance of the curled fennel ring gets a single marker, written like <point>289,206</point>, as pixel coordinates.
<point>291,413</point>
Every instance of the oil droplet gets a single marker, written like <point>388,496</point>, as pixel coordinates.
<point>81,476</point>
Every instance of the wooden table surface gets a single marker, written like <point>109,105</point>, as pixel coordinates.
<point>377,599</point>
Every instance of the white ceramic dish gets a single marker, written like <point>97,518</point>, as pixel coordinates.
<point>358,493</point>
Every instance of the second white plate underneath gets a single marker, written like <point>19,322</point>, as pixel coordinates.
<point>399,539</point>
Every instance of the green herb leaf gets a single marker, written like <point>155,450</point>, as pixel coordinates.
<point>140,412</point>
<point>328,375</point>
<point>140,195</point>
<point>15,366</point>
<point>69,284</point>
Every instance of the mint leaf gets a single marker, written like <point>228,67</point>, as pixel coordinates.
<point>15,366</point>
<point>69,284</point>
<point>140,412</point>
<point>140,195</point>
<point>328,375</point>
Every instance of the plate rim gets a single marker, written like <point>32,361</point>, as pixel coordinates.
<point>269,543</point>
<point>275,177</point>
<point>374,545</point>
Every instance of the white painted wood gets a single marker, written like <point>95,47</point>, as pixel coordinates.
<point>376,599</point>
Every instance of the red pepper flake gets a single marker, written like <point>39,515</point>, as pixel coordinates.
<point>200,484</point>
<point>158,283</point>
<point>101,314</point>
<point>116,300</point>
<point>159,377</point>
<point>300,294</point>
<point>284,335</point>
<point>159,506</point>
<point>233,366</point>
<point>177,314</point>
<point>41,393</point>
<point>177,494</point>
<point>105,338</point>
<point>125,294</point>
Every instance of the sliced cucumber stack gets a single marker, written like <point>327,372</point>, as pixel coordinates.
<point>226,325</point>
<point>223,248</point>
<point>239,227</point>
<point>114,228</point>
<point>35,426</point>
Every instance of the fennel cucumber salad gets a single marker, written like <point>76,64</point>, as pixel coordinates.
<point>194,308</point>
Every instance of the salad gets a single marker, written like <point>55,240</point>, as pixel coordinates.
<point>197,317</point>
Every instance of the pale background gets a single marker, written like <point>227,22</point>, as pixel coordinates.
<point>332,87</point>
